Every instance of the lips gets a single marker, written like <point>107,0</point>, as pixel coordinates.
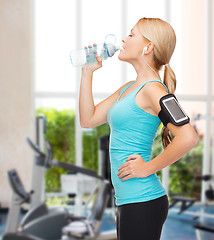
<point>122,48</point>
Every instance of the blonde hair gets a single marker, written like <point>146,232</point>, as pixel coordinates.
<point>163,37</point>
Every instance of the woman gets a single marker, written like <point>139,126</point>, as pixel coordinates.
<point>132,113</point>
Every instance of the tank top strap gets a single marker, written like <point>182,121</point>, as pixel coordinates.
<point>124,89</point>
<point>153,80</point>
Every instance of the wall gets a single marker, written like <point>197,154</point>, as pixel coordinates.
<point>16,92</point>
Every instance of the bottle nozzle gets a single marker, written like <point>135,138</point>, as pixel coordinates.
<point>117,48</point>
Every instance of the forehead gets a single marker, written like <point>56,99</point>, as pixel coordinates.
<point>135,29</point>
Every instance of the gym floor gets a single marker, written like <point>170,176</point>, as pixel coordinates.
<point>176,227</point>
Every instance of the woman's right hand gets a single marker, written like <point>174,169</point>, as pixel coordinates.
<point>93,66</point>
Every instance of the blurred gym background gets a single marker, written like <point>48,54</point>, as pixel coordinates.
<point>37,79</point>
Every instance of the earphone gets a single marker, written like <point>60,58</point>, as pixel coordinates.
<point>147,63</point>
<point>144,50</point>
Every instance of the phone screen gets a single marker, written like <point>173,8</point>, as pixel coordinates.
<point>175,109</point>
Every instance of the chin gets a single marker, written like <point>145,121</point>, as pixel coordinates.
<point>122,58</point>
<point>119,57</point>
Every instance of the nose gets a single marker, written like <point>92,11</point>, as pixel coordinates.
<point>123,41</point>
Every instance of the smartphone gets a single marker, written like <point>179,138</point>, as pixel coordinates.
<point>175,109</point>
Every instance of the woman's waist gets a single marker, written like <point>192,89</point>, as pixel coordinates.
<point>130,144</point>
<point>119,158</point>
<point>136,186</point>
<point>114,151</point>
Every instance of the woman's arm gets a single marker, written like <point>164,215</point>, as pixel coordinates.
<point>90,115</point>
<point>185,137</point>
<point>86,101</point>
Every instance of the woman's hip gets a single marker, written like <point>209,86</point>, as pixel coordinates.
<point>142,220</point>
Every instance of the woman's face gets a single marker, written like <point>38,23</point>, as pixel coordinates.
<point>133,46</point>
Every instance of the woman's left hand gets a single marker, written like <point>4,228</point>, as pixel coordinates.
<point>135,167</point>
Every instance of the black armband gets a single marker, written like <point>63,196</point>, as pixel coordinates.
<point>171,111</point>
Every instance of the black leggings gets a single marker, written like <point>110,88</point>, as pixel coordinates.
<point>143,220</point>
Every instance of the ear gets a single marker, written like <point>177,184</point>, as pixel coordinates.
<point>150,46</point>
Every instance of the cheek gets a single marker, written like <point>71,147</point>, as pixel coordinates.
<point>136,48</point>
<point>133,49</point>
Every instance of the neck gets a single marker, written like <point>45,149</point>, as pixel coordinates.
<point>144,72</point>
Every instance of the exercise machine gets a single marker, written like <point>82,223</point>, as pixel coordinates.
<point>50,225</point>
<point>19,197</point>
<point>104,165</point>
<point>39,166</point>
<point>186,202</point>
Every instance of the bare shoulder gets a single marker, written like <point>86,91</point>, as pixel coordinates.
<point>153,91</point>
<point>155,87</point>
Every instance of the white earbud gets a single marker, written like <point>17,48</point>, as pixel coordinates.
<point>148,64</point>
<point>144,50</point>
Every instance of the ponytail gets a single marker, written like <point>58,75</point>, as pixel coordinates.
<point>170,81</point>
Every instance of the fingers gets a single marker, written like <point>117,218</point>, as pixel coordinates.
<point>99,59</point>
<point>122,171</point>
<point>123,166</point>
<point>133,156</point>
<point>126,178</point>
<point>92,49</point>
<point>94,44</point>
<point>124,174</point>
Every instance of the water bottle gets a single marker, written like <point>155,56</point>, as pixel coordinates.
<point>84,56</point>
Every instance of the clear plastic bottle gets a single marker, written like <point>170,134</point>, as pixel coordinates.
<point>87,55</point>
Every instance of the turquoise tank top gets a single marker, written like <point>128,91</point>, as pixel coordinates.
<point>132,131</point>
